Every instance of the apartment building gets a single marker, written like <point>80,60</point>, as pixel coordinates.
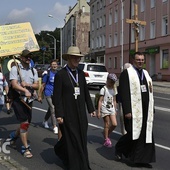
<point>97,30</point>
<point>120,44</point>
<point>77,27</point>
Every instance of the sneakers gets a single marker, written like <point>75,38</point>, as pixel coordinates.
<point>45,124</point>
<point>108,143</point>
<point>55,130</point>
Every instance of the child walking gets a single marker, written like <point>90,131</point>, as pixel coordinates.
<point>107,107</point>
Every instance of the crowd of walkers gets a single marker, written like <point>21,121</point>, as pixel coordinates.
<point>68,99</point>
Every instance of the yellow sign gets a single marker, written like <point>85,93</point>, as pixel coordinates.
<point>15,38</point>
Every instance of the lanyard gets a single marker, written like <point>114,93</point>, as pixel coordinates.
<point>140,76</point>
<point>75,79</point>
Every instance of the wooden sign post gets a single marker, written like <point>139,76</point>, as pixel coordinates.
<point>136,23</point>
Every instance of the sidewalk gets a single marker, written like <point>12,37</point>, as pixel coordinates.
<point>161,86</point>
<point>10,164</point>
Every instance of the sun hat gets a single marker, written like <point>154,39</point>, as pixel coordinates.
<point>25,53</point>
<point>72,51</point>
<point>112,76</point>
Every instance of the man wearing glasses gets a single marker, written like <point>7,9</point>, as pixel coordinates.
<point>24,81</point>
<point>136,93</point>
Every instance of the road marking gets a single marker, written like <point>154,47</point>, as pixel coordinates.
<point>162,109</point>
<point>161,98</point>
<point>100,127</point>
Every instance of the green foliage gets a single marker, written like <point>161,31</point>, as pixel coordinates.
<point>46,42</point>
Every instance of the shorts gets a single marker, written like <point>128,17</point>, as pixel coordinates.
<point>22,112</point>
<point>107,114</point>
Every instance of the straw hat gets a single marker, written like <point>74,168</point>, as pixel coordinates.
<point>72,51</point>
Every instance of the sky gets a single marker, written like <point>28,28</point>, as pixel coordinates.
<point>36,12</point>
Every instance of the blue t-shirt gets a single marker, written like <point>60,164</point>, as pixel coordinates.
<point>48,79</point>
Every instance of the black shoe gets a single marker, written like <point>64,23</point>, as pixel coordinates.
<point>145,165</point>
<point>9,111</point>
<point>118,156</point>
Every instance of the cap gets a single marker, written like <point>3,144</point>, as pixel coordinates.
<point>112,76</point>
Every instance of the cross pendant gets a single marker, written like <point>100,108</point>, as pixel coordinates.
<point>75,95</point>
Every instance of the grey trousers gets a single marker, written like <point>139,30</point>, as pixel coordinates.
<point>50,111</point>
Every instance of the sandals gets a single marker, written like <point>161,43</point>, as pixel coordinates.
<point>13,139</point>
<point>26,152</point>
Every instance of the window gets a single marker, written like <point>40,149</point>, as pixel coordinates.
<point>104,3</point>
<point>96,42</point>
<point>115,39</point>
<point>110,16</point>
<point>97,6</point>
<point>92,26</point>
<point>152,29</point>
<point>104,41</point>
<point>100,22</point>
<point>165,26</point>
<point>110,41</point>
<point>142,32</point>
<point>164,0</point>
<point>110,62</point>
<point>110,1</point>
<point>97,23</point>
<point>115,62</point>
<point>116,14</point>
<point>104,20</point>
<point>100,42</point>
<point>164,59</point>
<point>92,9</point>
<point>101,4</point>
<point>142,5</point>
<point>92,43</point>
<point>152,3</point>
<point>132,35</point>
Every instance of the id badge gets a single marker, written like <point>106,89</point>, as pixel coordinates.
<point>77,90</point>
<point>143,88</point>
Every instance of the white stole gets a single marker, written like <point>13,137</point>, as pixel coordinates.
<point>136,104</point>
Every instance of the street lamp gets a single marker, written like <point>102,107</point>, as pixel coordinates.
<point>54,44</point>
<point>61,43</point>
<point>122,39</point>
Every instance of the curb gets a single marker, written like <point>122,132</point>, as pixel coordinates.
<point>9,164</point>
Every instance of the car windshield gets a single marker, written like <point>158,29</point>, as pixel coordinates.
<point>97,68</point>
<point>81,66</point>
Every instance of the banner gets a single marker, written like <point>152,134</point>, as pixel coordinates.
<point>14,38</point>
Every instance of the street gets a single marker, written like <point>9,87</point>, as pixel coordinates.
<point>43,140</point>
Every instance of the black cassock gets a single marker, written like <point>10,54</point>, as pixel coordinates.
<point>138,151</point>
<point>72,148</point>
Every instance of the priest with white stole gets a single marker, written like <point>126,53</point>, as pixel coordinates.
<point>136,92</point>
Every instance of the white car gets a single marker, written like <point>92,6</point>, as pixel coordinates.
<point>95,73</point>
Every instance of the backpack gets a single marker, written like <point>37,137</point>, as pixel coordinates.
<point>96,99</point>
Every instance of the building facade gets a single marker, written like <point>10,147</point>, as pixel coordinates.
<point>97,30</point>
<point>77,27</point>
<point>153,38</point>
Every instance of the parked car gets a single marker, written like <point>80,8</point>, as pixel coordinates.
<point>95,73</point>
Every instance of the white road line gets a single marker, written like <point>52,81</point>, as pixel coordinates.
<point>100,127</point>
<point>161,98</point>
<point>162,109</point>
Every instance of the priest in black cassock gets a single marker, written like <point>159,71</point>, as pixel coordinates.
<point>136,92</point>
<point>71,96</point>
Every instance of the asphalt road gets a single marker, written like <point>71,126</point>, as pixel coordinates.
<point>43,140</point>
